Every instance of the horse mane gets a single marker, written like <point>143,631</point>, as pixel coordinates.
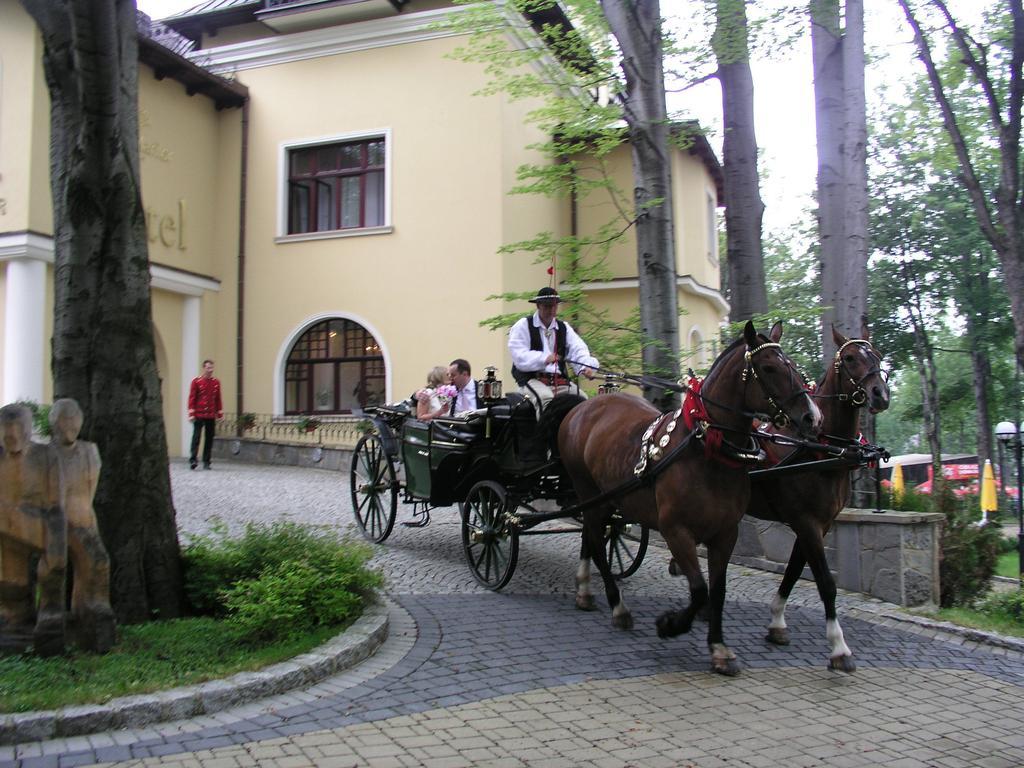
<point>725,353</point>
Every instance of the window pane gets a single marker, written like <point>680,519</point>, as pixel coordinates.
<point>303,162</point>
<point>350,202</point>
<point>351,385</point>
<point>323,387</point>
<point>299,195</point>
<point>327,158</point>
<point>375,152</point>
<point>325,211</point>
<point>351,155</point>
<point>295,399</point>
<point>337,339</point>
<point>374,214</point>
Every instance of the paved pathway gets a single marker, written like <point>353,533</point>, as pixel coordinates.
<point>520,678</point>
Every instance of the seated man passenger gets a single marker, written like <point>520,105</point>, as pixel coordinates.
<point>460,375</point>
<point>541,346</point>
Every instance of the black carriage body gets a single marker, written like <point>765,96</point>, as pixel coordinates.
<point>445,457</point>
<point>493,463</point>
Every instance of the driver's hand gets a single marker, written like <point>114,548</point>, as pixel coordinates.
<point>588,372</point>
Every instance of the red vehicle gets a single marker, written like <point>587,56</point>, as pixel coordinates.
<point>962,478</point>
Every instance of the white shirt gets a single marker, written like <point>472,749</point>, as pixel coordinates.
<point>531,361</point>
<point>465,398</point>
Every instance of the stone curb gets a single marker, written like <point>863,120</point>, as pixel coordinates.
<point>923,624</point>
<point>358,642</point>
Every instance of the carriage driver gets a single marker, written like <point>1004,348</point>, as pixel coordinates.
<point>541,345</point>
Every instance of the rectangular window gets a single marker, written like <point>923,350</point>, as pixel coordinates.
<point>336,187</point>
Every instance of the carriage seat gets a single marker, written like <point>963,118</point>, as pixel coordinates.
<point>513,404</point>
<point>465,428</point>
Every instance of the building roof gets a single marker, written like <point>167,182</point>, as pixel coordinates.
<point>162,50</point>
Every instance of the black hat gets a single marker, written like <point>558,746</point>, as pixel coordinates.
<point>546,294</point>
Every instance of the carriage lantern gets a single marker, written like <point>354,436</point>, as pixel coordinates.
<point>489,388</point>
<point>609,385</point>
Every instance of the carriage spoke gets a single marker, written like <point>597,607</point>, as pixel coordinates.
<point>491,548</point>
<point>374,489</point>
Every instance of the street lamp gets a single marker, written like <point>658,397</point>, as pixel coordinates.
<point>1011,436</point>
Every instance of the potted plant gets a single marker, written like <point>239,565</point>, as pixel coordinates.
<point>247,421</point>
<point>307,424</point>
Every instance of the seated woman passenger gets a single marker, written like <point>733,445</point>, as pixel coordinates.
<point>434,399</point>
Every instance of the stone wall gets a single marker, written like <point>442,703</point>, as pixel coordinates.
<point>295,455</point>
<point>890,555</point>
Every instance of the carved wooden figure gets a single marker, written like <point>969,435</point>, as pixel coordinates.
<point>92,617</point>
<point>32,523</point>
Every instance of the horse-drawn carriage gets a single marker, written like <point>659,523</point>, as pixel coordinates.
<point>691,474</point>
<point>494,463</point>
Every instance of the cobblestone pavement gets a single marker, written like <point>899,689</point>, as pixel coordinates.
<point>521,678</point>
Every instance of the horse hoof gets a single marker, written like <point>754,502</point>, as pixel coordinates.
<point>623,621</point>
<point>585,603</point>
<point>727,667</point>
<point>777,636</point>
<point>842,664</point>
<point>669,625</point>
<point>673,568</point>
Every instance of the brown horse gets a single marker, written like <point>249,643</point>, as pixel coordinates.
<point>697,462</point>
<point>808,502</point>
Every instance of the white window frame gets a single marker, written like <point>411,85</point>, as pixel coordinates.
<point>285,147</point>
<point>711,226</point>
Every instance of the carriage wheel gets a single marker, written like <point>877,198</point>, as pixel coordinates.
<point>374,489</point>
<point>491,546</point>
<point>625,547</point>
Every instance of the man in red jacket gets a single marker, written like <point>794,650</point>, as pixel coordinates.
<point>204,408</point>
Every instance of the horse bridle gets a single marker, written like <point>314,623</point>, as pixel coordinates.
<point>859,397</point>
<point>780,418</point>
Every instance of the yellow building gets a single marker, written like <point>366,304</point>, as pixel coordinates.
<point>325,199</point>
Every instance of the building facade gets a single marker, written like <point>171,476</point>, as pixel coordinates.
<point>325,200</point>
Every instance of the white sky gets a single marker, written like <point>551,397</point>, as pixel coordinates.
<point>783,94</point>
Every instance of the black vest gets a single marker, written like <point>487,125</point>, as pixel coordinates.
<point>537,345</point>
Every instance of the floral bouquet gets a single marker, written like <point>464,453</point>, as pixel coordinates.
<point>447,392</point>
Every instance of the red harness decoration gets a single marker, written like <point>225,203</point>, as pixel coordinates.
<point>694,412</point>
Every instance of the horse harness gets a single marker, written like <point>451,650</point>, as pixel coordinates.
<point>696,418</point>
<point>859,397</point>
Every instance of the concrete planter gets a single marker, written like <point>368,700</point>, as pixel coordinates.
<point>890,555</point>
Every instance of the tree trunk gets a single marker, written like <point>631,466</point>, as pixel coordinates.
<point>636,25</point>
<point>852,301</point>
<point>744,208</point>
<point>103,348</point>
<point>841,119</point>
<point>826,51</point>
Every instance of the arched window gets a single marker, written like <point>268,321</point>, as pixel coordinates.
<point>334,367</point>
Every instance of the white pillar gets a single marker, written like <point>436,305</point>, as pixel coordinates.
<point>24,337</point>
<point>190,310</point>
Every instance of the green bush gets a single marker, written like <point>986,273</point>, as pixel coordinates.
<point>216,565</point>
<point>1005,606</point>
<point>295,597</point>
<point>968,551</point>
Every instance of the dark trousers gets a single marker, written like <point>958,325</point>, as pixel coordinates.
<point>198,425</point>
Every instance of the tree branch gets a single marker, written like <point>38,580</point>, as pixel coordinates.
<point>956,137</point>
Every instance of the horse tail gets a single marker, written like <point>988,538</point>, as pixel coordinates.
<point>554,415</point>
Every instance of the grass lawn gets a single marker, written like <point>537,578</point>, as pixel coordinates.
<point>149,657</point>
<point>1008,565</point>
<point>968,618</point>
